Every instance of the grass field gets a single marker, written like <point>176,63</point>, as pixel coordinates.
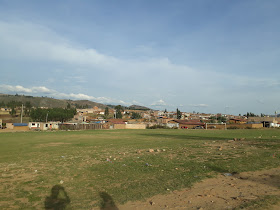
<point>93,165</point>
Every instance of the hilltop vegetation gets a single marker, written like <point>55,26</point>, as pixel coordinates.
<point>13,101</point>
<point>46,102</point>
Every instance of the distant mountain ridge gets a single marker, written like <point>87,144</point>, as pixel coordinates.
<point>59,103</point>
<point>49,102</point>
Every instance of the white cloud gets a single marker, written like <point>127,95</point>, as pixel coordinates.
<point>32,41</point>
<point>107,75</point>
<point>159,103</point>
<point>16,88</point>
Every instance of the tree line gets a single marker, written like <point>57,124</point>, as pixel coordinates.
<point>52,114</point>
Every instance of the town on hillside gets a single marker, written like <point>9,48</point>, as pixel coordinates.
<point>24,115</point>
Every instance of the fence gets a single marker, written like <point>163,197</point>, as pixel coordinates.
<point>80,126</point>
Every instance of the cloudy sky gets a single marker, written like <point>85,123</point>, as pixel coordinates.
<point>215,56</point>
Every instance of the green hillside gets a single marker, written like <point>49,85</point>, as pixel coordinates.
<point>48,102</point>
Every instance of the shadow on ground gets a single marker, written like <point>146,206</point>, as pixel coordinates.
<point>58,200</point>
<point>107,202</point>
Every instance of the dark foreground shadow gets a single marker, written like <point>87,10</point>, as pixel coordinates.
<point>58,200</point>
<point>107,202</point>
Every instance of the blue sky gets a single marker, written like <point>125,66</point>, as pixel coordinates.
<point>215,56</point>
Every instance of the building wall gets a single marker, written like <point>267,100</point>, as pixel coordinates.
<point>172,125</point>
<point>135,126</point>
<point>189,126</point>
<point>35,126</point>
<point>9,126</point>
<point>119,126</point>
<point>21,128</point>
<point>243,126</point>
<point>216,126</point>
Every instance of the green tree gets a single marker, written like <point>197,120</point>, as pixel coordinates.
<point>221,119</point>
<point>28,108</point>
<point>106,113</point>
<point>212,119</point>
<point>119,110</point>
<point>2,104</point>
<point>250,114</point>
<point>54,114</point>
<point>13,112</point>
<point>179,114</point>
<point>135,115</point>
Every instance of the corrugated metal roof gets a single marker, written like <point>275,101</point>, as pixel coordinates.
<point>20,124</point>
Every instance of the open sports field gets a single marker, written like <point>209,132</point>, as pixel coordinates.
<point>108,168</point>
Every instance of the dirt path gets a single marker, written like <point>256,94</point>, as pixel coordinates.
<point>223,192</point>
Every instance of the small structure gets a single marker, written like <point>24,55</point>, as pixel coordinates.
<point>43,126</point>
<point>34,126</point>
<point>50,126</point>
<point>188,124</point>
<point>237,121</point>
<point>17,126</point>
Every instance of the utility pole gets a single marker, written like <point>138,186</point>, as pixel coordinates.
<point>21,113</point>
<point>47,117</point>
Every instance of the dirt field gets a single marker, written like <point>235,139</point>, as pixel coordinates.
<point>140,169</point>
<point>223,192</point>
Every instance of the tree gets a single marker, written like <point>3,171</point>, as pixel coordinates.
<point>135,115</point>
<point>212,119</point>
<point>54,114</point>
<point>179,114</point>
<point>2,104</point>
<point>106,113</point>
<point>250,114</point>
<point>28,108</point>
<point>221,119</point>
<point>119,110</point>
<point>13,112</point>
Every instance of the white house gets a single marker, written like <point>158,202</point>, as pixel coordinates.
<point>34,125</point>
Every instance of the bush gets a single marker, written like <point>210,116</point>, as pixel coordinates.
<point>158,127</point>
<point>232,127</point>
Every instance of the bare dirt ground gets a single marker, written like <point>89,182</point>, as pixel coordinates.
<point>222,192</point>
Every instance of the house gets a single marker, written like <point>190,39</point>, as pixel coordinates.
<point>117,123</point>
<point>172,124</point>
<point>237,121</point>
<point>17,126</point>
<point>5,109</point>
<point>185,124</point>
<point>163,120</point>
<point>50,126</point>
<point>34,125</point>
<point>43,126</point>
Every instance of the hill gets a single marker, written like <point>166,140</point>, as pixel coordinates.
<point>49,102</point>
<point>137,107</point>
<point>132,107</point>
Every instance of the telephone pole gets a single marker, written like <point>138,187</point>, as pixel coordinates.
<point>21,113</point>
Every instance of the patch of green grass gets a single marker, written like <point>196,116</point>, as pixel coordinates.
<point>34,162</point>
